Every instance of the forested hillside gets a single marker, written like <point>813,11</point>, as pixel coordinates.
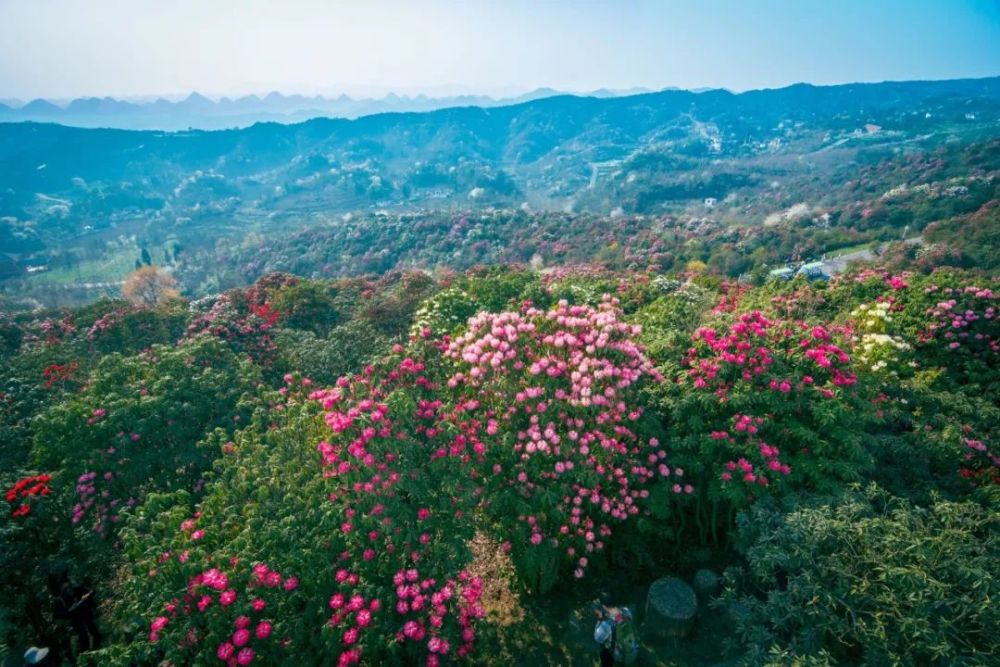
<point>864,162</point>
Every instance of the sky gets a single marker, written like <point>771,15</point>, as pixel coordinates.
<point>129,48</point>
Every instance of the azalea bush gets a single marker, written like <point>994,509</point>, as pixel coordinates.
<point>762,406</point>
<point>135,427</point>
<point>961,332</point>
<point>563,450</point>
<point>374,534</point>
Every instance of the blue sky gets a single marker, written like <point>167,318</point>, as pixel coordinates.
<point>64,48</point>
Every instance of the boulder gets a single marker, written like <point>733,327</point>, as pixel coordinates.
<point>671,608</point>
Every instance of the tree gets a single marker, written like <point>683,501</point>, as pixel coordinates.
<point>149,286</point>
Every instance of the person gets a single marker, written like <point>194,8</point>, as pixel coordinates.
<point>616,635</point>
<point>76,604</point>
<point>36,657</point>
<point>605,634</point>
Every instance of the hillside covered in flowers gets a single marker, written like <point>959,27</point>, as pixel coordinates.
<point>437,469</point>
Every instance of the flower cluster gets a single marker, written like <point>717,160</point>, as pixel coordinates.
<point>767,354</point>
<point>422,606</point>
<point>101,504</point>
<point>746,437</point>
<point>881,352</point>
<point>556,393</point>
<point>244,325</point>
<point>981,462</point>
<point>965,319</point>
<point>24,490</point>
<point>874,318</point>
<point>105,323</point>
<point>59,373</point>
<point>228,609</point>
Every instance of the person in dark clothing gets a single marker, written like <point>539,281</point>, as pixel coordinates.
<point>76,604</point>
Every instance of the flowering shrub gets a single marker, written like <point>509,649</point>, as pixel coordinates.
<point>59,374</point>
<point>135,426</point>
<point>764,405</point>
<point>962,331</point>
<point>373,527</point>
<point>563,453</point>
<point>394,468</point>
<point>24,490</point>
<point>444,312</point>
<point>128,328</point>
<point>245,326</point>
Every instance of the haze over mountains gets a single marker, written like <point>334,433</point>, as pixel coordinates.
<point>201,112</point>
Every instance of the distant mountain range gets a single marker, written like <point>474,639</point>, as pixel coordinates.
<point>70,191</point>
<point>197,111</point>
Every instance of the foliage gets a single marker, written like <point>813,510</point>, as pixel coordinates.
<point>149,286</point>
<point>764,406</point>
<point>869,579</point>
<point>360,436</point>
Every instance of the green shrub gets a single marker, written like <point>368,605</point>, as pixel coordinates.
<point>871,580</point>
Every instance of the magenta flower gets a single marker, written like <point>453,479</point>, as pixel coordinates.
<point>225,651</point>
<point>241,637</point>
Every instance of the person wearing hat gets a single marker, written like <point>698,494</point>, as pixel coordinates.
<point>605,634</point>
<point>37,656</point>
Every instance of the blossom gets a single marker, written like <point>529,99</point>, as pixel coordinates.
<point>225,651</point>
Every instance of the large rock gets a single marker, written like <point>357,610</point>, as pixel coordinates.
<point>671,608</point>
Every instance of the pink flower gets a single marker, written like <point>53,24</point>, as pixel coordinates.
<point>227,597</point>
<point>158,623</point>
<point>263,630</point>
<point>241,637</point>
<point>245,656</point>
<point>291,583</point>
<point>242,622</point>
<point>225,651</point>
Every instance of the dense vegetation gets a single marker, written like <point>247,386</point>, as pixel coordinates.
<point>412,469</point>
<point>412,436</point>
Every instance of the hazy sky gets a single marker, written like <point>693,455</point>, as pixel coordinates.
<point>64,48</point>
